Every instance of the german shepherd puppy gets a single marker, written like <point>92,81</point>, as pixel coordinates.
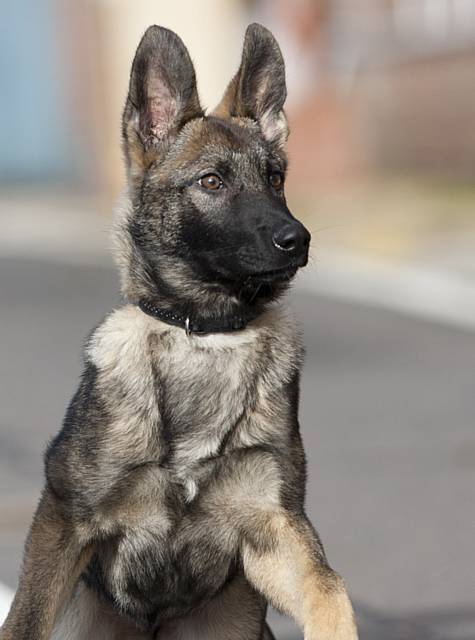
<point>174,498</point>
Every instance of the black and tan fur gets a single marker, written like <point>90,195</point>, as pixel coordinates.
<point>174,498</point>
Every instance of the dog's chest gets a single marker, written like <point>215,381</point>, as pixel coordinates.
<point>204,391</point>
<point>176,399</point>
<point>176,403</point>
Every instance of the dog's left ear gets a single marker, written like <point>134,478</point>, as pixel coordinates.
<point>162,97</point>
<point>258,90</point>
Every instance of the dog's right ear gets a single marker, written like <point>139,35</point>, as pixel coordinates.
<point>258,90</point>
<point>162,98</point>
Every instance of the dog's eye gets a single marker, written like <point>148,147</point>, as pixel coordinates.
<point>276,180</point>
<point>211,182</point>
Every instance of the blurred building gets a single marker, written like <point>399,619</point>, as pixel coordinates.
<point>374,85</point>
<point>380,85</point>
<point>409,65</point>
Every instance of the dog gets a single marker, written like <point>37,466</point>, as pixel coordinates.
<point>173,506</point>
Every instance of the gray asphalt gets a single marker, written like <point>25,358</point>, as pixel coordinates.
<point>388,422</point>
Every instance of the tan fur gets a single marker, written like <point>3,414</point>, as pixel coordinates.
<point>85,618</point>
<point>139,160</point>
<point>291,578</point>
<point>275,128</point>
<point>226,106</point>
<point>54,559</point>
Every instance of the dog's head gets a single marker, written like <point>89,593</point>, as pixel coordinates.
<point>207,226</point>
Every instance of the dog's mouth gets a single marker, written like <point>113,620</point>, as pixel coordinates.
<point>283,274</point>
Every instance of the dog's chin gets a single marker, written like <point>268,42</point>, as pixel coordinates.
<point>254,285</point>
<point>273,276</point>
<point>269,277</point>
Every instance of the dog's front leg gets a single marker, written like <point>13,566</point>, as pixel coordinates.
<point>287,565</point>
<point>54,559</point>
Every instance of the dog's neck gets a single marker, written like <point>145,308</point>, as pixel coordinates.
<point>217,309</point>
<point>197,324</point>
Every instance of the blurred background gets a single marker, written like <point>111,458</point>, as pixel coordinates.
<point>381,103</point>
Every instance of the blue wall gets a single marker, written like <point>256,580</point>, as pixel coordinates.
<point>33,126</point>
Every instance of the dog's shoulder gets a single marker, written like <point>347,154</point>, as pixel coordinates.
<point>281,344</point>
<point>121,340</point>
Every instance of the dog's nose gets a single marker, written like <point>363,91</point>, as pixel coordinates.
<point>292,238</point>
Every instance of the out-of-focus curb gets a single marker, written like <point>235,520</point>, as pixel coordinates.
<point>436,295</point>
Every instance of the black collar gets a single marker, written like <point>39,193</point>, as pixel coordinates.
<point>194,325</point>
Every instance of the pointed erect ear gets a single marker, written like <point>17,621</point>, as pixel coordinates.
<point>258,89</point>
<point>162,97</point>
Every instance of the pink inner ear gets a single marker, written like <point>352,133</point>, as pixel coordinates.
<point>162,109</point>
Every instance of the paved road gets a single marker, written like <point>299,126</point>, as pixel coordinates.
<point>388,422</point>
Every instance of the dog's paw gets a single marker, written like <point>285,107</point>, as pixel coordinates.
<point>333,619</point>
